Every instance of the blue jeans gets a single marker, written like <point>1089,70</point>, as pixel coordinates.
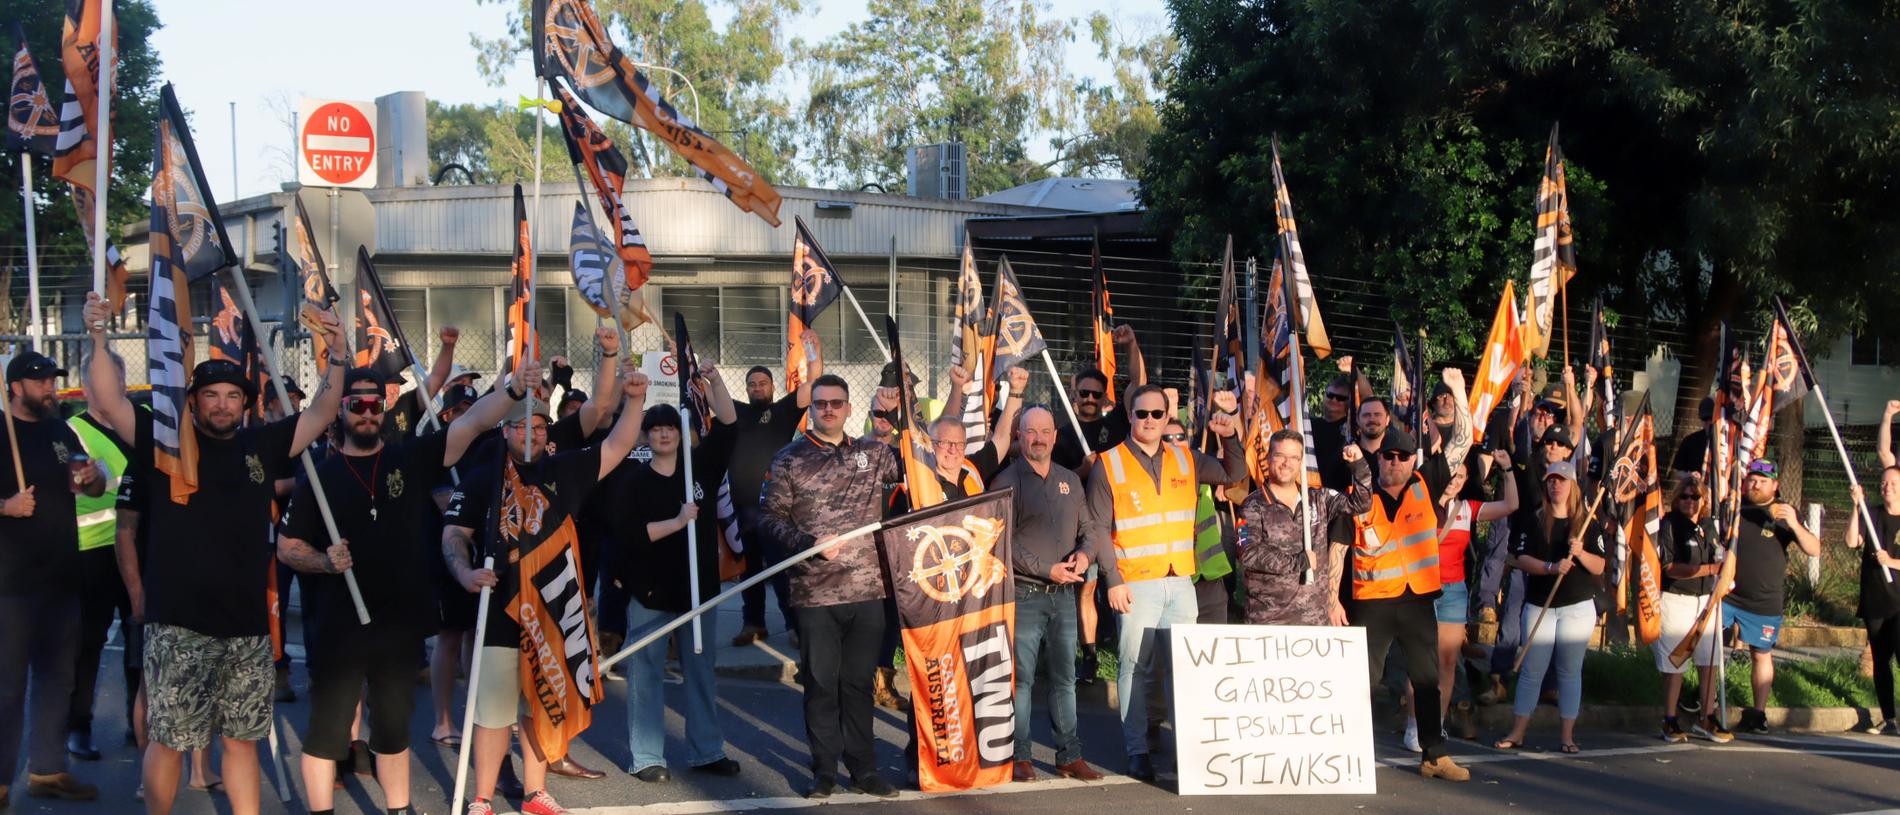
<point>1157,604</point>
<point>1045,641</point>
<point>646,692</point>
<point>1566,634</point>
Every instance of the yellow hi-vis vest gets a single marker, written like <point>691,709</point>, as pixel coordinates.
<point>1154,525</point>
<point>1391,554</point>
<point>98,517</point>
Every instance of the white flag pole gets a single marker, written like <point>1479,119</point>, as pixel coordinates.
<point>103,160</point>
<point>692,527</point>
<point>474,680</point>
<point>868,328</point>
<point>32,251</point>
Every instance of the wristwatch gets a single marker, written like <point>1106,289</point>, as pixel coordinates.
<point>340,362</point>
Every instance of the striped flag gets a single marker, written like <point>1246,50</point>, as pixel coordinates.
<point>972,346</point>
<point>1017,337</point>
<point>187,243</point>
<point>1785,365</point>
<point>816,284</point>
<point>76,147</point>
<point>1294,258</point>
<point>1553,253</point>
<point>523,341</point>
<point>1504,355</point>
<point>1103,318</point>
<point>1640,528</point>
<point>1280,400</point>
<point>599,273</point>
<point>589,148</point>
<point>232,340</point>
<point>314,280</point>
<point>569,42</point>
<point>1609,409</point>
<point>32,126</point>
<point>914,445</point>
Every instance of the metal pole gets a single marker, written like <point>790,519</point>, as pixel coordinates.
<point>692,527</point>
<point>102,163</point>
<point>1289,296</point>
<point>243,292</point>
<point>868,328</point>
<point>474,679</point>
<point>532,342</point>
<point>1063,393</point>
<point>767,574</point>
<point>234,172</point>
<point>682,77</point>
<point>346,314</point>
<point>277,763</point>
<point>32,251</point>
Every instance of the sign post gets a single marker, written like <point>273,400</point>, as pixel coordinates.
<point>1272,710</point>
<point>336,148</point>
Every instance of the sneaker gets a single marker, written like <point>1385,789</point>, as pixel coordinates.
<point>874,785</point>
<point>1889,727</point>
<point>1411,736</point>
<point>283,691</point>
<point>1672,732</point>
<point>1706,728</point>
<point>1087,669</point>
<point>541,803</point>
<point>1444,768</point>
<point>1754,722</point>
<point>822,787</point>
<point>480,807</point>
<point>59,785</point>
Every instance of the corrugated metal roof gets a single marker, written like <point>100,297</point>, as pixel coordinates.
<point>1071,195</point>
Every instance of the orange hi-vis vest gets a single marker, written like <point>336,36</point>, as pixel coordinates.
<point>1390,555</point>
<point>1154,525</point>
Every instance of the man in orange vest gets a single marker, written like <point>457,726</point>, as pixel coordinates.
<point>1142,496</point>
<point>1395,582</point>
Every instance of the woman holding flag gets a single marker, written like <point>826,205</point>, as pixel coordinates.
<point>1547,543</point>
<point>1880,598</point>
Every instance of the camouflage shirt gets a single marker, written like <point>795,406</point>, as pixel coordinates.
<point>1273,551</point>
<point>815,489</point>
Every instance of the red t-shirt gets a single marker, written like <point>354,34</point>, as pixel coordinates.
<point>1455,537</point>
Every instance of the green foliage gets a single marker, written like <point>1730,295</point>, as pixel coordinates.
<point>63,251</point>
<point>495,143</point>
<point>1626,675</point>
<point>1718,153</point>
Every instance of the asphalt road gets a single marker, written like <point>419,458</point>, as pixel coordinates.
<point>1624,773</point>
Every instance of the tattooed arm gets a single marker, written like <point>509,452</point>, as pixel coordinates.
<point>298,554</point>
<point>457,544</point>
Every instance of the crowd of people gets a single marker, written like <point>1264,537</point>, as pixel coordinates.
<point>1131,515</point>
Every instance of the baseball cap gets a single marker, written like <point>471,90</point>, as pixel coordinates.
<point>1441,389</point>
<point>1397,440</point>
<point>888,379</point>
<point>32,365</point>
<point>1764,468</point>
<point>290,387</point>
<point>355,375</point>
<point>221,372</point>
<point>457,371</point>
<point>1559,434</point>
<point>1562,469</point>
<point>455,396</point>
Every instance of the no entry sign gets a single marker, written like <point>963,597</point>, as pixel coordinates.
<point>336,143</point>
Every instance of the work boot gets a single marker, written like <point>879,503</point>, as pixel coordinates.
<point>79,745</point>
<point>1496,693</point>
<point>883,689</point>
<point>59,785</point>
<point>748,635</point>
<point>1444,767</point>
<point>1087,668</point>
<point>1462,717</point>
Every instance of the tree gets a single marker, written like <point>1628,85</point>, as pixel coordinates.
<point>987,73</point>
<point>493,143</point>
<point>64,255</point>
<point>1113,121</point>
<point>732,71</point>
<point>1718,153</point>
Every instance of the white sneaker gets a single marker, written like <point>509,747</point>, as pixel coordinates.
<point>1411,736</point>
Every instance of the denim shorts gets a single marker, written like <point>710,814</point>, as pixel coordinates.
<point>1454,604</point>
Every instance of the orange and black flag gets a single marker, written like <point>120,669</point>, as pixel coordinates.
<point>77,146</point>
<point>1786,365</point>
<point>522,339</point>
<point>1638,511</point>
<point>1553,251</point>
<point>570,43</point>
<point>560,660</point>
<point>1504,355</point>
<point>913,443</point>
<point>187,244</point>
<point>232,340</point>
<point>1017,339</point>
<point>1294,259</point>
<point>693,386</point>
<point>1609,408</point>
<point>379,340</point>
<point>32,126</point>
<point>1229,344</point>
<point>1104,317</point>
<point>590,149</point>
<point>973,347</point>
<point>313,278</point>
<point>816,284</point>
<point>950,578</point>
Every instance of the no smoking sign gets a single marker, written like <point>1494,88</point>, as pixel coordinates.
<point>336,143</point>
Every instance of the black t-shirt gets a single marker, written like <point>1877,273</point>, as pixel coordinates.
<point>1682,541</point>
<point>1527,538</point>
<point>382,506</point>
<point>403,419</point>
<point>1329,442</point>
<point>40,553</point>
<point>208,559</point>
<point>656,572</point>
<point>566,479</point>
<point>1690,454</point>
<point>1879,598</point>
<point>1109,430</point>
<point>1761,575</point>
<point>132,498</point>
<point>763,429</point>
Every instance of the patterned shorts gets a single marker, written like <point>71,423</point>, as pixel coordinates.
<point>197,684</point>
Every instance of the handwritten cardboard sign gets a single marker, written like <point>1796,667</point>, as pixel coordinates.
<point>1272,710</point>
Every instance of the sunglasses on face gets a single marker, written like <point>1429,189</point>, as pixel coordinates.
<point>1174,437</point>
<point>1395,455</point>
<point>1088,393</point>
<point>829,404</point>
<point>892,415</point>
<point>1335,397</point>
<point>1155,414</point>
<point>364,405</point>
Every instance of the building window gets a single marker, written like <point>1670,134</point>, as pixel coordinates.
<point>700,306</point>
<point>410,309</point>
<point>1866,350</point>
<point>550,322</point>
<point>856,345</point>
<point>471,310</point>
<point>733,325</point>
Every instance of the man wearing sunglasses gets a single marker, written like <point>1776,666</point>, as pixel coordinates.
<point>1104,422</point>
<point>379,495</point>
<point>1395,584</point>
<point>1142,497</point>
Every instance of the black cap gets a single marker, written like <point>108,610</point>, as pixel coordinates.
<point>889,377</point>
<point>1559,434</point>
<point>290,387</point>
<point>455,396</point>
<point>1397,440</point>
<point>32,365</point>
<point>221,372</point>
<point>355,375</point>
<point>1441,389</point>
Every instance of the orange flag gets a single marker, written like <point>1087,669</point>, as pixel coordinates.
<point>1504,355</point>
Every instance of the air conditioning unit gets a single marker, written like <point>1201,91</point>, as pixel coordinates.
<point>937,171</point>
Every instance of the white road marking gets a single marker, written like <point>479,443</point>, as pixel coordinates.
<point>757,804</point>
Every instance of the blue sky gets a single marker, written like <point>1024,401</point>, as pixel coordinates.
<point>264,56</point>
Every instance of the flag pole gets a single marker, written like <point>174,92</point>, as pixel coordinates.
<point>1555,584</point>
<point>277,763</point>
<point>692,527</point>
<point>532,342</point>
<point>868,328</point>
<point>1298,363</point>
<point>103,157</point>
<point>249,307</point>
<point>768,573</point>
<point>32,251</point>
<point>13,436</point>
<point>474,679</point>
<point>1068,406</point>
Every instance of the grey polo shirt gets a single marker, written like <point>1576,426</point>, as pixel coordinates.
<point>1051,519</point>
